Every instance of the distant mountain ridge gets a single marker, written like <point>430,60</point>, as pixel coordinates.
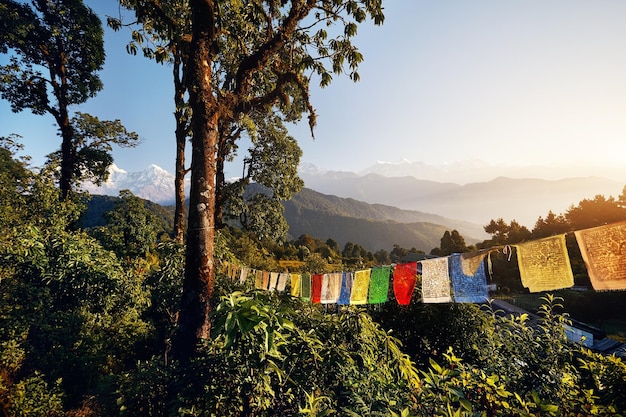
<point>521,199</point>
<point>374,226</point>
<point>347,207</point>
<point>469,171</point>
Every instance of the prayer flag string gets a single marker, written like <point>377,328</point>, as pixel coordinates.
<point>544,265</point>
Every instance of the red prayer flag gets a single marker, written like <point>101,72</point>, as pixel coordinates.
<point>316,288</point>
<point>404,279</point>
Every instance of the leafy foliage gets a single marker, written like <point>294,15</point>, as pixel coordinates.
<point>70,314</point>
<point>56,49</point>
<point>92,146</point>
<point>132,228</point>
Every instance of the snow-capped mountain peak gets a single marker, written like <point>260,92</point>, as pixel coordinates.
<point>153,183</point>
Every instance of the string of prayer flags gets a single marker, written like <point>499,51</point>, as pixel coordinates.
<point>544,264</point>
<point>435,281</point>
<point>331,288</point>
<point>295,284</point>
<point>282,281</point>
<point>379,284</point>
<point>469,282</point>
<point>305,287</point>
<point>404,279</point>
<point>273,281</point>
<point>603,249</point>
<point>360,285</point>
<point>346,288</point>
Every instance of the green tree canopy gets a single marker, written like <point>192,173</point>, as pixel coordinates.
<point>595,212</point>
<point>56,49</point>
<point>451,242</point>
<point>92,147</point>
<point>550,226</point>
<point>132,228</point>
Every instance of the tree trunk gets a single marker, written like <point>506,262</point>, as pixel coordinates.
<point>179,185</point>
<point>199,280</point>
<point>181,141</point>
<point>67,154</point>
<point>220,182</point>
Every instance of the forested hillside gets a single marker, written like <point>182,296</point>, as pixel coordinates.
<point>308,201</point>
<point>310,213</point>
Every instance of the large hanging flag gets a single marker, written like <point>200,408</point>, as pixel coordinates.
<point>305,287</point>
<point>316,288</point>
<point>604,252</point>
<point>346,288</point>
<point>295,284</point>
<point>379,284</point>
<point>404,279</point>
<point>435,280</point>
<point>544,264</point>
<point>469,282</point>
<point>331,287</point>
<point>360,286</point>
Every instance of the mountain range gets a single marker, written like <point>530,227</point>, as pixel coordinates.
<point>520,199</point>
<point>468,171</point>
<point>153,183</point>
<point>357,202</point>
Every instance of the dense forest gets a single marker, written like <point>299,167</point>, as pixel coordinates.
<point>136,315</point>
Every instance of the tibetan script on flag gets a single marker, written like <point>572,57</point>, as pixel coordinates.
<point>604,252</point>
<point>544,264</point>
<point>435,281</point>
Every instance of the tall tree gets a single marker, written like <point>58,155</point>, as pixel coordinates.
<point>503,233</point>
<point>451,242</point>
<point>550,226</point>
<point>247,57</point>
<point>164,37</point>
<point>57,49</point>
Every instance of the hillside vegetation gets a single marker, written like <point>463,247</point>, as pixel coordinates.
<point>87,317</point>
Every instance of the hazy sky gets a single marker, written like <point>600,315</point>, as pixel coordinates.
<point>506,82</point>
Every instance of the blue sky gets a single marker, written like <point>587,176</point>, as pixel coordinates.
<point>509,83</point>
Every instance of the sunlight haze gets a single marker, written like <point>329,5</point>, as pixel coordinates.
<point>514,83</point>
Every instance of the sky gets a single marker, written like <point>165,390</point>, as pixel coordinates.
<point>513,83</point>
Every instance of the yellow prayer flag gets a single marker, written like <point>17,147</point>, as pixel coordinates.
<point>360,287</point>
<point>295,284</point>
<point>544,264</point>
